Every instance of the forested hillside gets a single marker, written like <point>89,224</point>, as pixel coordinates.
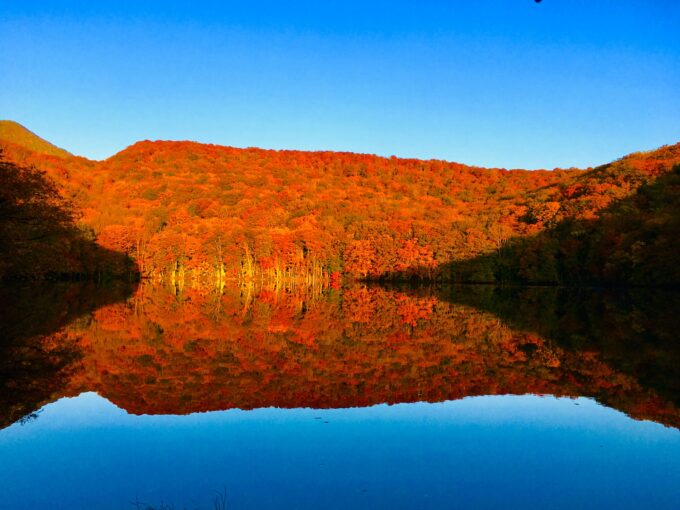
<point>200,214</point>
<point>16,133</point>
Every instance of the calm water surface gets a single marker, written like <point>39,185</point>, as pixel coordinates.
<point>367,397</point>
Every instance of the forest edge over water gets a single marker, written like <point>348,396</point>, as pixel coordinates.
<point>274,240</point>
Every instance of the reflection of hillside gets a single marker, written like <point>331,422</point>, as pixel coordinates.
<point>633,331</point>
<point>160,354</point>
<point>37,357</point>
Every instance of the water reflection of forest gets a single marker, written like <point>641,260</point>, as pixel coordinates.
<point>151,351</point>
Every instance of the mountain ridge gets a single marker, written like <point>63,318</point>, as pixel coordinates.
<point>7,127</point>
<point>160,143</point>
<point>13,132</point>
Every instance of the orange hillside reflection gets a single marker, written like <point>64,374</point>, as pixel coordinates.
<point>161,353</point>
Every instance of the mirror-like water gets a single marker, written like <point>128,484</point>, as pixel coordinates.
<point>511,397</point>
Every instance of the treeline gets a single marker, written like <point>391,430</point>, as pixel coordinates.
<point>193,211</point>
<point>199,214</point>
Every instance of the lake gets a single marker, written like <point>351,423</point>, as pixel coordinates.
<point>145,396</point>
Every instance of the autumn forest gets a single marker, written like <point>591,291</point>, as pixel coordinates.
<point>197,215</point>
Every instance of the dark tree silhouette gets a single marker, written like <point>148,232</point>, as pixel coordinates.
<point>38,233</point>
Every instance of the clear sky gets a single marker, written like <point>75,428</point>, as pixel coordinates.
<point>509,83</point>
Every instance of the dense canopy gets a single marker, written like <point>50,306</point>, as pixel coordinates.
<point>198,214</point>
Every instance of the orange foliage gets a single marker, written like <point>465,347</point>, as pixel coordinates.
<point>188,212</point>
<point>158,353</point>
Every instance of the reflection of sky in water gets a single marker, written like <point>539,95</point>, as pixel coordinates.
<point>484,452</point>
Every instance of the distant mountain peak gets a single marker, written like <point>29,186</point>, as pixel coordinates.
<point>15,133</point>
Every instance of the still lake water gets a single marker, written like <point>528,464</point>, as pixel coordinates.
<point>365,397</point>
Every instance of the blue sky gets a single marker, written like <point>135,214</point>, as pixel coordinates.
<point>506,83</point>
